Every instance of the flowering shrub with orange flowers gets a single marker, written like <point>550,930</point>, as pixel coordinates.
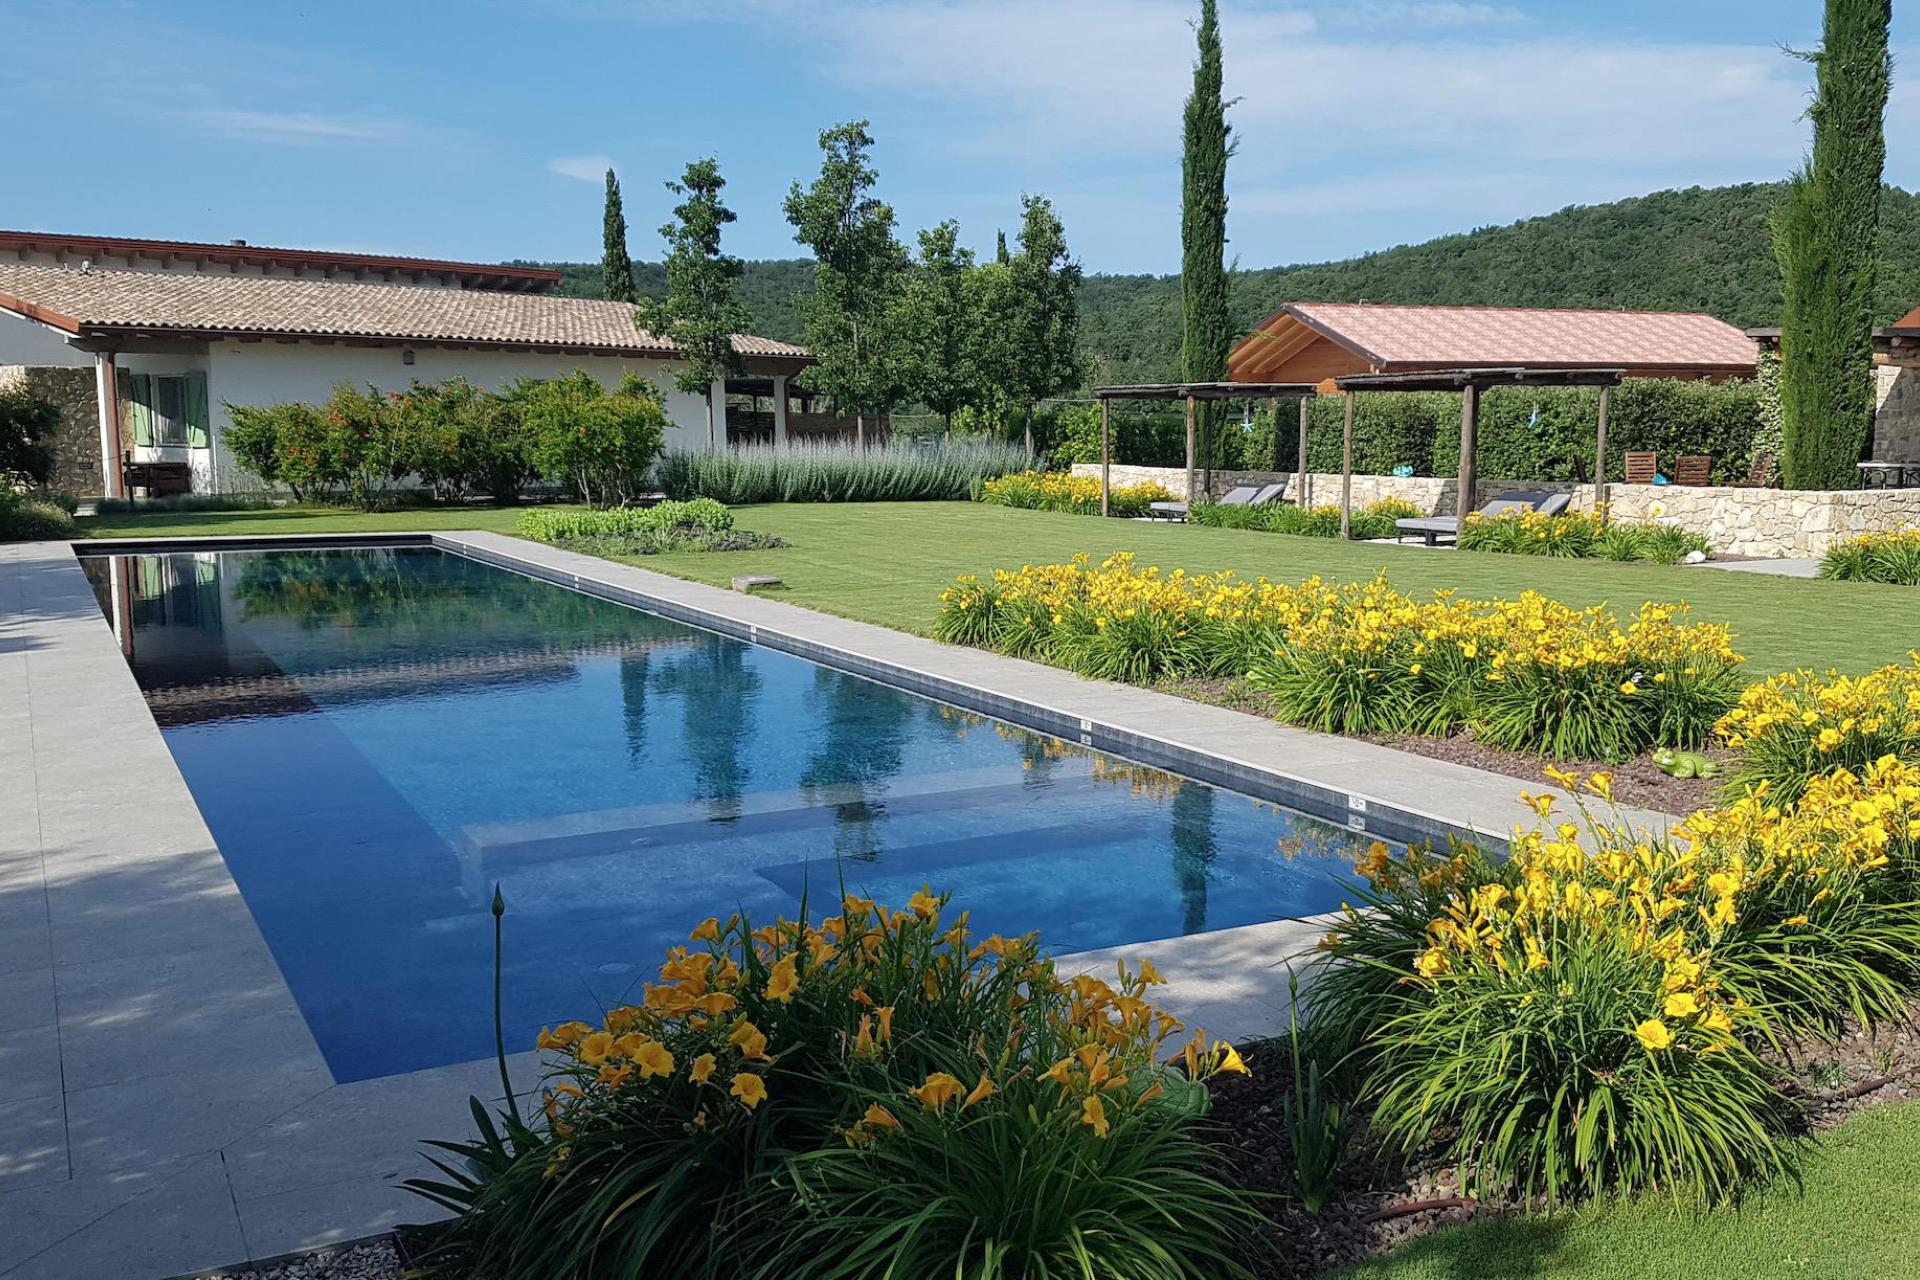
<point>1528,674</point>
<point>1797,725</point>
<point>1583,1017</point>
<point>882,1089</point>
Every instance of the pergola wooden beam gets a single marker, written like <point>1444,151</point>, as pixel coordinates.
<point>1470,383</point>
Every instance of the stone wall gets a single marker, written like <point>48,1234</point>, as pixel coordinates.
<point>1896,419</point>
<point>1736,521</point>
<point>76,449</point>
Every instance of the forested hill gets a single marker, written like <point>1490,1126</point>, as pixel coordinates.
<point>1701,249</point>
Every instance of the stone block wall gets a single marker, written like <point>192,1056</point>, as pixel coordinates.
<point>1736,521</point>
<point>76,449</point>
<point>1896,419</point>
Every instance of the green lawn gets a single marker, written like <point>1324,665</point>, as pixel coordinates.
<point>887,562</point>
<point>1853,1219</point>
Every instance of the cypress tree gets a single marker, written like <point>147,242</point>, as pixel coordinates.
<point>1207,334</point>
<point>616,268</point>
<point>1000,253</point>
<point>1825,234</point>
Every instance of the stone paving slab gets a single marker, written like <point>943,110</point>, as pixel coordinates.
<point>166,1109</point>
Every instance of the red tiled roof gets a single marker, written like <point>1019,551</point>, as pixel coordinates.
<point>108,302</point>
<point>474,274</point>
<point>1399,337</point>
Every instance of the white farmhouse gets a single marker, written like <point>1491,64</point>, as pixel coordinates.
<point>148,341</point>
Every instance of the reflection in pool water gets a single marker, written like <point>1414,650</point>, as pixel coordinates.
<point>378,737</point>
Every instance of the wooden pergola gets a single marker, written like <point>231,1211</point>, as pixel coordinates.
<point>1193,393</point>
<point>1469,383</point>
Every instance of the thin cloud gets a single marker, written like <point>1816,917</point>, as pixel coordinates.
<point>584,168</point>
<point>300,128</point>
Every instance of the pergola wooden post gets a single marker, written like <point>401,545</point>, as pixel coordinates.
<point>1106,453</point>
<point>1346,470</point>
<point>1469,444</point>
<point>1470,383</point>
<point>1600,456</point>
<point>1306,414</point>
<point>1193,393</point>
<point>1192,497</point>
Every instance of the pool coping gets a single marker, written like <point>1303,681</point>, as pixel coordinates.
<point>163,1107</point>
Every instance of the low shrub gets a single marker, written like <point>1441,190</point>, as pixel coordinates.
<point>1797,725</point>
<point>559,524</point>
<point>27,519</point>
<point>1062,491</point>
<point>189,502</point>
<point>1527,674</point>
<point>1376,520</point>
<point>878,1093</point>
<point>1578,535</point>
<point>1891,556</point>
<point>839,472</point>
<point>1580,1018</point>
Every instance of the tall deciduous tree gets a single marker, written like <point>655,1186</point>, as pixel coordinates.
<point>1207,326</point>
<point>1045,325</point>
<point>938,322</point>
<point>699,315</point>
<point>852,314</point>
<point>1825,231</point>
<point>616,268</point>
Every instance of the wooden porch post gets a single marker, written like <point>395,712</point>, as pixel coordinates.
<point>1190,428</point>
<point>1273,416</point>
<point>1469,431</point>
<point>106,387</point>
<point>1306,412</point>
<point>1106,452</point>
<point>1600,456</point>
<point>1346,471</point>
<point>1206,448</point>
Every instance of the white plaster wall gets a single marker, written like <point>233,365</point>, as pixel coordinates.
<point>28,342</point>
<point>284,373</point>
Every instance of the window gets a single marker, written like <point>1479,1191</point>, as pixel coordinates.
<point>169,408</point>
<point>165,410</point>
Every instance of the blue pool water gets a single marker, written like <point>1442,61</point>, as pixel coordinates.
<point>378,737</point>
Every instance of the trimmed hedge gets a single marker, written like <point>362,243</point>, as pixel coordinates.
<point>1366,523</point>
<point>554,524</point>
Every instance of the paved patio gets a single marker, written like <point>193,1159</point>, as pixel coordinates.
<point>163,1107</point>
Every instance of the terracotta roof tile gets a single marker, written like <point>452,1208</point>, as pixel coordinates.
<point>1468,337</point>
<point>220,304</point>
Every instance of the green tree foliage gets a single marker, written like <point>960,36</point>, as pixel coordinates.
<point>600,443</point>
<point>851,316</point>
<point>699,314</point>
<point>1826,236</point>
<point>1044,327</point>
<point>27,427</point>
<point>1701,249</point>
<point>616,268</point>
<point>938,322</point>
<point>1207,331</point>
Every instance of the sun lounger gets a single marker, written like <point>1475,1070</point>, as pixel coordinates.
<point>1433,528</point>
<point>1245,495</point>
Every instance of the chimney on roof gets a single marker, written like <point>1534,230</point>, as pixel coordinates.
<point>238,244</point>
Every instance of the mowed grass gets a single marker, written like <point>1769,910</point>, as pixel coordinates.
<point>1851,1219</point>
<point>888,562</point>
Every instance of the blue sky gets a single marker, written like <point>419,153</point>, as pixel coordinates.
<point>480,129</point>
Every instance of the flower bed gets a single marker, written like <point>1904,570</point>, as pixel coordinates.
<point>1797,725</point>
<point>880,1092</point>
<point>1527,674</point>
<point>1376,520</point>
<point>1580,535</point>
<point>1892,556</point>
<point>1587,1018</point>
<point>1080,495</point>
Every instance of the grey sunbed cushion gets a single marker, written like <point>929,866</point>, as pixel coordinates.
<point>1429,524</point>
<point>1241,496</point>
<point>1555,504</point>
<point>1269,493</point>
<point>1168,508</point>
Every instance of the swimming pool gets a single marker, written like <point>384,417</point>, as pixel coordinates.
<point>377,737</point>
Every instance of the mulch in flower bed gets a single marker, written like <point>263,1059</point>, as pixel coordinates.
<point>1637,783</point>
<point>1380,1202</point>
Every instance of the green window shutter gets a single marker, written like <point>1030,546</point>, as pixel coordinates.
<point>196,406</point>
<point>142,409</point>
